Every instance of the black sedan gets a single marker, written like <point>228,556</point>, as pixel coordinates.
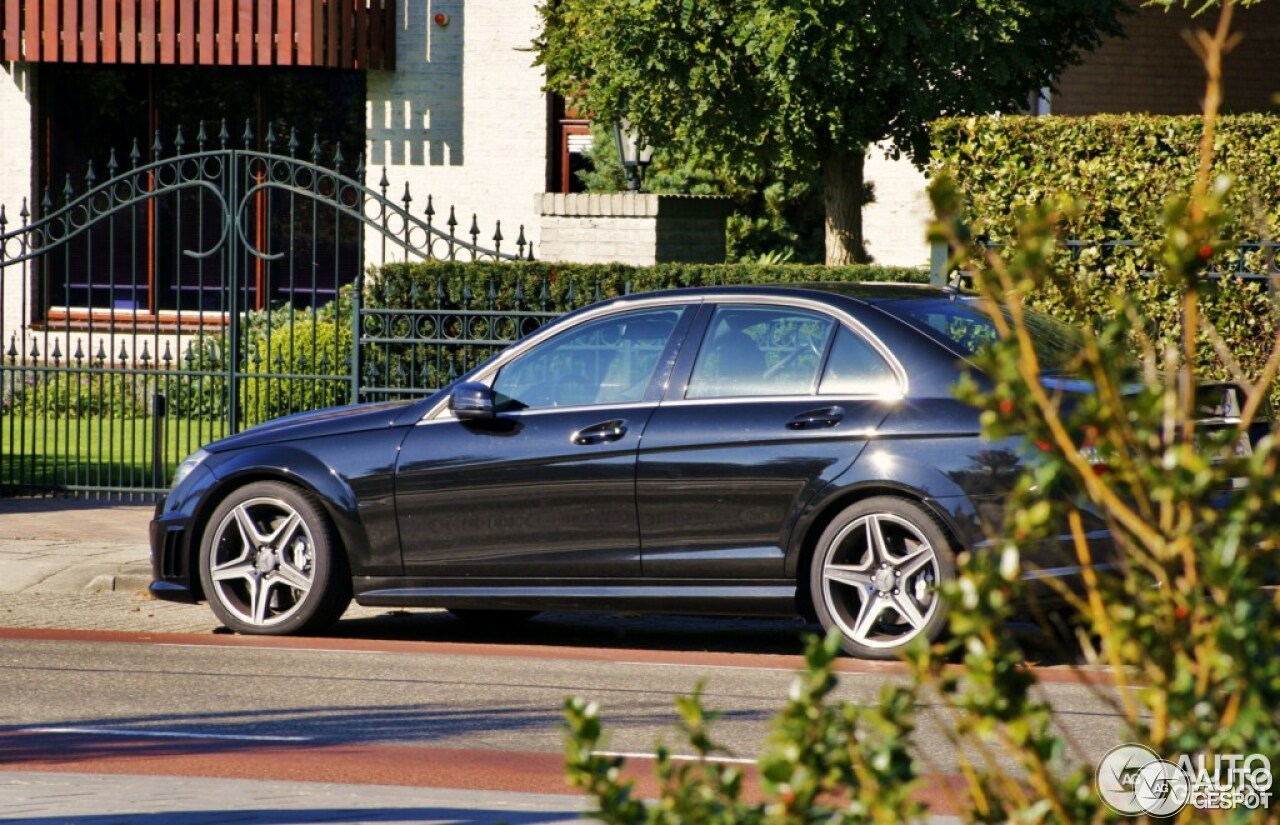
<point>737,451</point>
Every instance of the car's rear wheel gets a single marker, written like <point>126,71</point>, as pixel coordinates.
<point>875,576</point>
<point>270,563</point>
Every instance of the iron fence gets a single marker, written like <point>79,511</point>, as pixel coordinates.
<point>205,289</point>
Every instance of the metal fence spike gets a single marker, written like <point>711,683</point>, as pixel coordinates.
<point>179,141</point>
<point>247,137</point>
<point>315,149</point>
<point>35,350</point>
<point>497,235</point>
<point>337,156</point>
<point>4,221</point>
<point>145,358</point>
<point>57,352</point>
<point>67,189</point>
<point>12,352</point>
<point>270,140</point>
<point>223,134</point>
<point>293,141</point>
<point>167,358</point>
<point>25,214</point>
<point>453,220</point>
<point>79,353</point>
<point>101,357</point>
<point>202,137</point>
<point>135,154</point>
<point>123,357</point>
<point>157,147</point>
<point>112,163</point>
<point>383,183</point>
<point>89,177</point>
<point>430,211</point>
<point>406,198</point>
<point>47,203</point>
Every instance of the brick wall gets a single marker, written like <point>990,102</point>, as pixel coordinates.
<point>631,228</point>
<point>463,117</point>
<point>1153,69</point>
<point>16,95</point>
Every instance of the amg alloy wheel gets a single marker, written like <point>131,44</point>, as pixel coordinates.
<point>269,564</point>
<point>875,576</point>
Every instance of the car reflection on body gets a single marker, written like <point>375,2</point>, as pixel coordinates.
<point>734,451</point>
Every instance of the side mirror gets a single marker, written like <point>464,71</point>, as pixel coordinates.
<point>471,401</point>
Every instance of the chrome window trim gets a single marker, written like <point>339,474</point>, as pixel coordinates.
<point>441,409</point>
<point>520,347</point>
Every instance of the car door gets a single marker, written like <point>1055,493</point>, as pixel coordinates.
<point>546,488</point>
<point>778,400</point>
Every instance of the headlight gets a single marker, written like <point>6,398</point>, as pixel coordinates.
<point>188,464</point>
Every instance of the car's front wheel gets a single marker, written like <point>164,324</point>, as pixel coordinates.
<point>875,576</point>
<point>270,564</point>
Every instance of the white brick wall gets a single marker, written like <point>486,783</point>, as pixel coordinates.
<point>16,95</point>
<point>895,224</point>
<point>464,117</point>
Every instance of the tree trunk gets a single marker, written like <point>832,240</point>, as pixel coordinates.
<point>842,196</point>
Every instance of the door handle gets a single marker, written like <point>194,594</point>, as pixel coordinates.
<point>817,419</point>
<point>601,433</point>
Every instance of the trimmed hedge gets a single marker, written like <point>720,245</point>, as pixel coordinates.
<point>561,287</point>
<point>1122,170</point>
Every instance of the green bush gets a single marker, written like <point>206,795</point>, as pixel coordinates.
<point>1121,171</point>
<point>302,364</point>
<point>52,393</point>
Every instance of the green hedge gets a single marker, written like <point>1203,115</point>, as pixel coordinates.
<point>1122,170</point>
<point>560,287</point>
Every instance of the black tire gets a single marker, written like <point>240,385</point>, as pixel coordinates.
<point>270,562</point>
<point>881,595</point>
<point>491,618</point>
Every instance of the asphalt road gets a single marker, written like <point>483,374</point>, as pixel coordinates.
<point>89,698</point>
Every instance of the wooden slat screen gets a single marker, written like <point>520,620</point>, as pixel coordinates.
<point>349,34</point>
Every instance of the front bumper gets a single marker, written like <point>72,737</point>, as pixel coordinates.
<point>170,559</point>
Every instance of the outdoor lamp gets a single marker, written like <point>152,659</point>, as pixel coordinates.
<point>634,152</point>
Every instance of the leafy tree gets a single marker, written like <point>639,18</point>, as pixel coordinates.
<point>804,87</point>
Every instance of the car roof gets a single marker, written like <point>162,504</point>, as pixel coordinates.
<point>869,292</point>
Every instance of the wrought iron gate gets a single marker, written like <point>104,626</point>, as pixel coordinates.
<point>169,302</point>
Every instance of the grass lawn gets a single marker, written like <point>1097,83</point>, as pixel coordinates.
<point>87,453</point>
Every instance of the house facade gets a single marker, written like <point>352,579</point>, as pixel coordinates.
<point>433,97</point>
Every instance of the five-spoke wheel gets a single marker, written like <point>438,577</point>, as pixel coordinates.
<point>269,563</point>
<point>876,573</point>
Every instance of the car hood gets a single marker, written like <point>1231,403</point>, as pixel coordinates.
<point>327,422</point>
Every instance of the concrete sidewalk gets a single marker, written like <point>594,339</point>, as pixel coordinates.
<point>50,546</point>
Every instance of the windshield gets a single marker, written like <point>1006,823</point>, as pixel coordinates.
<point>962,324</point>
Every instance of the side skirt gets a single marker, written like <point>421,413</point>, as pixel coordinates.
<point>757,598</point>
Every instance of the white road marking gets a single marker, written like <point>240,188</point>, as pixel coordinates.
<point>165,734</point>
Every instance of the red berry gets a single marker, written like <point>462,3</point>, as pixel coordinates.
<point>1006,406</point>
<point>1206,252</point>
